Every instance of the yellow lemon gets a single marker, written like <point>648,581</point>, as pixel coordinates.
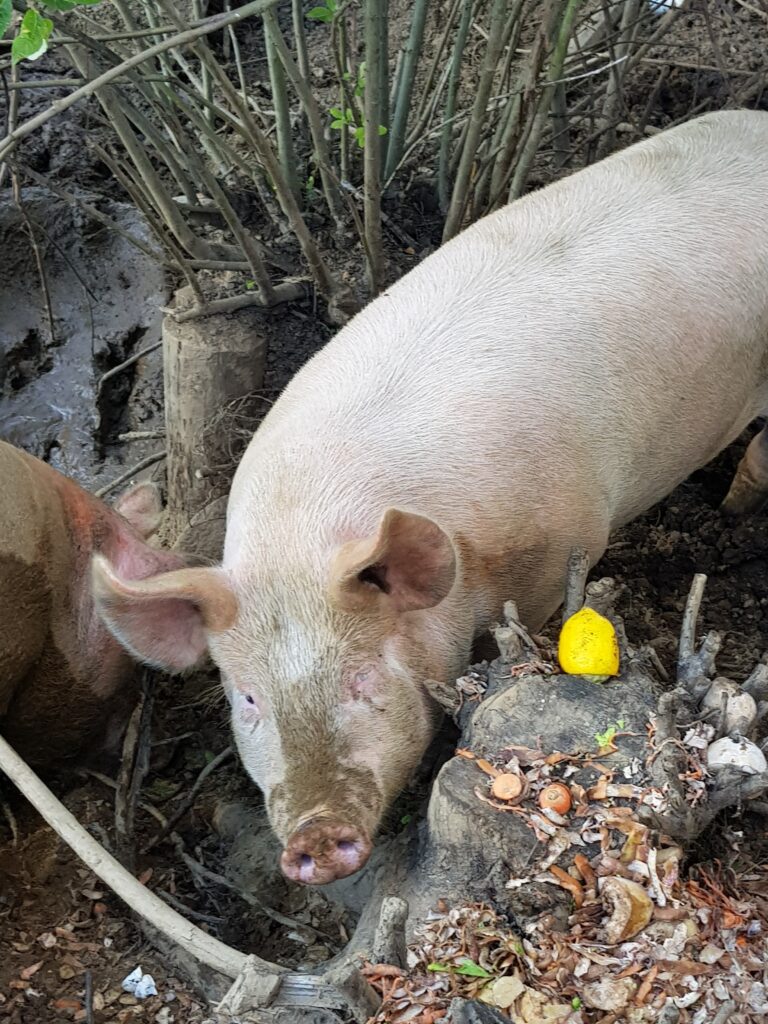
<point>588,645</point>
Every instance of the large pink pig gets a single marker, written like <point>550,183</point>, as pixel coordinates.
<point>541,379</point>
<point>63,678</point>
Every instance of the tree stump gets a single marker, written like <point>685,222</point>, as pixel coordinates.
<point>209,363</point>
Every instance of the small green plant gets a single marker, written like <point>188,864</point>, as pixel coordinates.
<point>345,120</point>
<point>325,12</point>
<point>31,40</point>
<point>605,739</point>
<point>360,83</point>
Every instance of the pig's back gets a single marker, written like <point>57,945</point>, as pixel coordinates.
<point>616,320</point>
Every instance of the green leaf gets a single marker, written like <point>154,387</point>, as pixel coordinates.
<point>6,11</point>
<point>68,5</point>
<point>604,739</point>
<point>473,970</point>
<point>406,819</point>
<point>162,789</point>
<point>320,14</point>
<point>336,112</point>
<point>346,76</point>
<point>360,87</point>
<point>468,968</point>
<point>250,285</point>
<point>32,40</point>
<point>337,124</point>
<point>332,5</point>
<point>350,117</point>
<point>360,137</point>
<point>382,130</point>
<point>576,1003</point>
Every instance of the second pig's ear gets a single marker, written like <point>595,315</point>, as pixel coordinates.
<point>142,507</point>
<point>164,620</point>
<point>407,565</point>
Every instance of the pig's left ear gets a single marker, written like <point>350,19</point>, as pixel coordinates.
<point>407,565</point>
<point>164,620</point>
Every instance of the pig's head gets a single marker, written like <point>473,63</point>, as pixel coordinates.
<point>325,672</point>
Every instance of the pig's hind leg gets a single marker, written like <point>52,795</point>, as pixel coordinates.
<point>749,488</point>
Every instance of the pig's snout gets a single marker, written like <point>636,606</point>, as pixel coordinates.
<point>323,850</point>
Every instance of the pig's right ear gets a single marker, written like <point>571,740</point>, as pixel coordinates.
<point>407,565</point>
<point>164,620</point>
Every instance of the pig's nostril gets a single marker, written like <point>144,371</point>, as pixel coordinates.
<point>306,860</point>
<point>346,845</point>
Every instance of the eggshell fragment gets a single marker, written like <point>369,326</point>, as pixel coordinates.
<point>629,905</point>
<point>741,754</point>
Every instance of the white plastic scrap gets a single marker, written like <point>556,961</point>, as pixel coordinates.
<point>699,737</point>
<point>139,984</point>
<point>660,7</point>
<point>757,998</point>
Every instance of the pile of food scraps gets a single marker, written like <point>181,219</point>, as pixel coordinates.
<point>641,943</point>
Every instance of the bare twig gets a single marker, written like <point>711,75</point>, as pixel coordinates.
<point>300,39</point>
<point>41,272</point>
<point>10,818</point>
<point>194,915</point>
<point>88,997</point>
<point>144,464</point>
<point>687,644</point>
<point>133,767</point>
<point>285,151</point>
<point>190,798</point>
<point>575,582</point>
<point>115,370</point>
<point>406,80</point>
<point>450,102</point>
<point>142,435</point>
<point>11,114</point>
<point>288,292</point>
<point>375,55</point>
